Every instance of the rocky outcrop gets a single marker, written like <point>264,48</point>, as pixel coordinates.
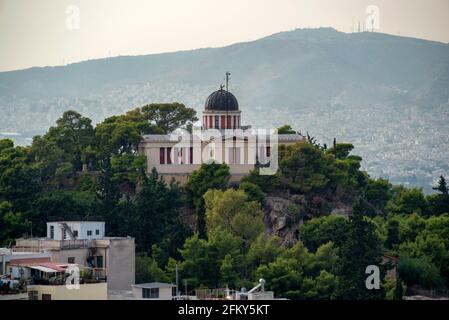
<point>285,214</point>
<point>283,217</point>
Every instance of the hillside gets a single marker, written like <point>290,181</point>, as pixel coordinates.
<point>388,95</point>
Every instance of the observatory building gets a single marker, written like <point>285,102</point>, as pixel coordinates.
<point>221,138</point>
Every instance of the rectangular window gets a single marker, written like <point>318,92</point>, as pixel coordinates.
<point>71,260</point>
<point>223,120</point>
<point>268,152</point>
<point>211,122</point>
<point>64,233</point>
<point>46,296</point>
<point>97,232</point>
<point>169,155</point>
<point>229,122</point>
<point>217,125</point>
<point>162,155</point>
<point>89,233</point>
<point>152,293</point>
<point>75,233</point>
<point>52,232</point>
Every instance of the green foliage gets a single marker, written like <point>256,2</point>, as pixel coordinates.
<point>299,274</point>
<point>211,262</point>
<point>407,201</point>
<point>419,271</point>
<point>59,153</point>
<point>6,144</point>
<point>439,203</point>
<point>394,288</point>
<point>376,195</point>
<point>169,116</point>
<point>392,233</point>
<point>11,223</point>
<point>232,211</point>
<point>253,192</point>
<point>319,231</point>
<point>267,183</point>
<point>209,176</point>
<point>442,186</point>
<point>147,270</point>
<point>362,248</point>
<point>44,180</point>
<point>286,129</point>
<point>263,250</point>
<point>341,150</point>
<point>157,210</point>
<point>307,168</point>
<point>19,179</point>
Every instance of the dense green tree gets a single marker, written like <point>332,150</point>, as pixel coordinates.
<point>361,249</point>
<point>392,233</point>
<point>439,203</point>
<point>319,231</point>
<point>62,205</point>
<point>419,271</point>
<point>304,167</point>
<point>147,270</point>
<point>286,129</point>
<point>19,180</point>
<point>341,150</point>
<point>6,144</point>
<point>209,176</point>
<point>158,211</point>
<point>232,211</point>
<point>263,250</point>
<point>299,274</point>
<point>253,192</point>
<point>60,152</point>
<point>169,116</point>
<point>375,197</point>
<point>12,224</point>
<point>407,201</point>
<point>442,186</point>
<point>267,183</point>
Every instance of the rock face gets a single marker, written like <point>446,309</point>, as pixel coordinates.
<point>283,217</point>
<point>285,214</point>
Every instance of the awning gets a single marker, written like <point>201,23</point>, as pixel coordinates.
<point>43,269</point>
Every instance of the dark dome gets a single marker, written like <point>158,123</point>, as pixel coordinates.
<point>221,100</point>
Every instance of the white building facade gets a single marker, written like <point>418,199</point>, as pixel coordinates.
<point>221,138</point>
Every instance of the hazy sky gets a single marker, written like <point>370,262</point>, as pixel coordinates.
<point>55,32</point>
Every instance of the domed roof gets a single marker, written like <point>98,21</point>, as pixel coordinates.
<point>221,100</point>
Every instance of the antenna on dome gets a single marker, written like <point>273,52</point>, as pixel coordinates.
<point>227,79</point>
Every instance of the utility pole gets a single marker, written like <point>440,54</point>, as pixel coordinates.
<point>177,282</point>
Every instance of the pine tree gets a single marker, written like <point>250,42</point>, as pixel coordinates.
<point>361,249</point>
<point>442,186</point>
